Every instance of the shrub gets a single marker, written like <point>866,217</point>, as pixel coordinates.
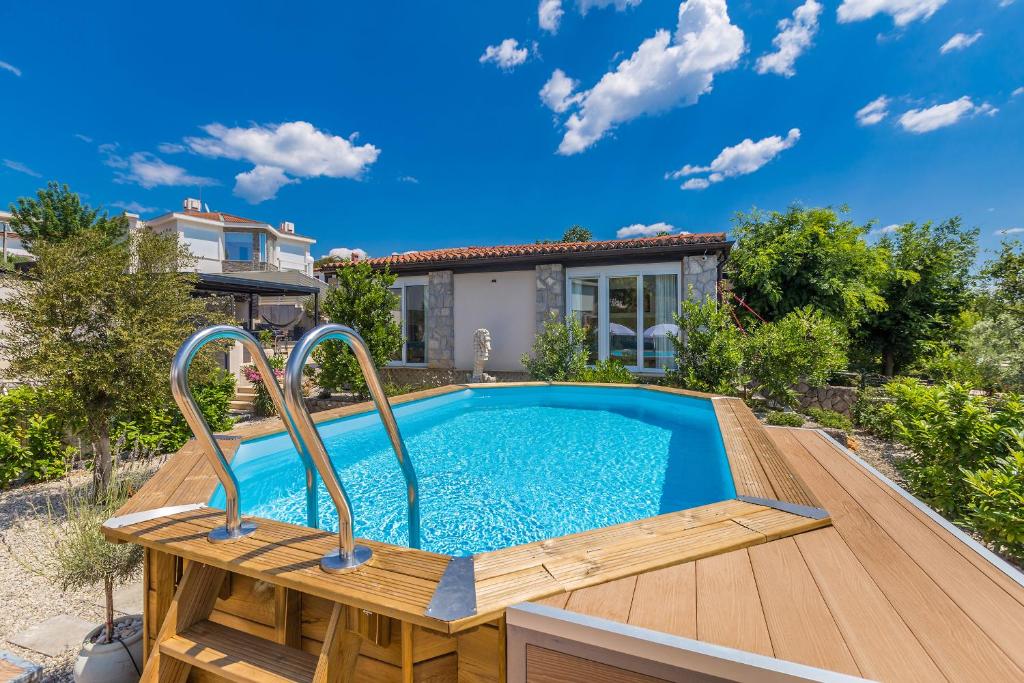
<point>996,505</point>
<point>805,345</point>
<point>949,430</point>
<point>778,418</point>
<point>32,444</point>
<point>263,404</point>
<point>361,298</point>
<point>559,351</point>
<point>609,371</point>
<point>709,349</point>
<point>830,418</point>
<point>871,412</point>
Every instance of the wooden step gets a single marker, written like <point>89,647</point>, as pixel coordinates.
<point>238,656</point>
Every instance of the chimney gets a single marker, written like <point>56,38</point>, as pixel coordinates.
<point>191,204</point>
<point>287,227</point>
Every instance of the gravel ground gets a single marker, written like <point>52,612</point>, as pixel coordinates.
<point>26,597</point>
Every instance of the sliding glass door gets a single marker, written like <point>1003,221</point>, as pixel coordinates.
<point>410,312</point>
<point>628,314</point>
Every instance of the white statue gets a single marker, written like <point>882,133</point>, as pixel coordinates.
<point>481,352</point>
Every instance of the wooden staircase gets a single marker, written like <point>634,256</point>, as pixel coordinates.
<point>187,640</point>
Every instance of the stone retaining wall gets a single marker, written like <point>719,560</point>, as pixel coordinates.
<point>839,399</point>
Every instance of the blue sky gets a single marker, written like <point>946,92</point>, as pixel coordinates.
<point>392,126</point>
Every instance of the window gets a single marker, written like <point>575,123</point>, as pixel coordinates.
<point>238,246</point>
<point>411,314</point>
<point>628,312</point>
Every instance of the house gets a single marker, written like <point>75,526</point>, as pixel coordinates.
<point>225,243</point>
<point>625,292</point>
<point>10,242</point>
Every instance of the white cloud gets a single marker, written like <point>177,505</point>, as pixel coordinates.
<point>746,157</point>
<point>942,115</point>
<point>507,55</point>
<point>1006,3</point>
<point>134,207</point>
<point>84,138</point>
<point>666,71</point>
<point>902,11</point>
<point>10,67</point>
<point>641,230</point>
<point>409,179</point>
<point>261,183</point>
<point>892,227</point>
<point>170,148</point>
<point>873,112</point>
<point>557,93</point>
<point>1010,231</point>
<point>1017,91</point>
<point>795,36</point>
<point>620,5</point>
<point>150,171</point>
<point>21,168</point>
<point>344,253</point>
<point>960,41</point>
<point>549,15</point>
<point>297,149</point>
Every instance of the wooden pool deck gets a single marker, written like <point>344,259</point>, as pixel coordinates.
<point>886,592</point>
<point>872,587</point>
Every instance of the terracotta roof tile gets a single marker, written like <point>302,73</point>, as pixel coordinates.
<point>512,250</point>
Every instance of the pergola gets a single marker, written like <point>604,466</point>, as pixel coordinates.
<point>253,284</point>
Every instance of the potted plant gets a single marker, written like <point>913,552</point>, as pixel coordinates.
<point>78,556</point>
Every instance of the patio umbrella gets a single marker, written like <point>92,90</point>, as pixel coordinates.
<point>616,328</point>
<point>662,330</point>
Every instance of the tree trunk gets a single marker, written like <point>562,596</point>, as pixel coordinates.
<point>889,360</point>
<point>102,460</point>
<point>108,591</point>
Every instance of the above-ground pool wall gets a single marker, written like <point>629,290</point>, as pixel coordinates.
<point>391,651</point>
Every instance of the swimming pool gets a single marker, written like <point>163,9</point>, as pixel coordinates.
<point>503,466</point>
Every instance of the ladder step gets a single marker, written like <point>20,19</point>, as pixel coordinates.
<point>238,656</point>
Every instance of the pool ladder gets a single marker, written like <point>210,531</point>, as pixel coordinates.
<point>299,424</point>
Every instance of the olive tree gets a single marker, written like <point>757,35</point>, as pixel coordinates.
<point>97,321</point>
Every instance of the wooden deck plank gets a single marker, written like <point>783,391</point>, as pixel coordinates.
<point>728,605</point>
<point>985,602</point>
<point>610,600</point>
<point>748,475</point>
<point>799,622</point>
<point>786,484</point>
<point>961,644</point>
<point>884,648</point>
<point>666,600</point>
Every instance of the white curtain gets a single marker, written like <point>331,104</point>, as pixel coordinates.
<point>665,306</point>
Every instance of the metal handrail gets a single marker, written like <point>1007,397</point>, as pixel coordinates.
<point>234,528</point>
<point>348,554</point>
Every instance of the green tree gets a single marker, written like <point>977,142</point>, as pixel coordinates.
<point>97,323</point>
<point>803,346</point>
<point>806,257</point>
<point>577,233</point>
<point>57,214</point>
<point>926,287</point>
<point>559,352</point>
<point>1005,277</point>
<point>709,348</point>
<point>361,298</point>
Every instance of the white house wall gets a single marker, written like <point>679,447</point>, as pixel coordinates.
<point>205,245</point>
<point>292,256</point>
<point>502,303</point>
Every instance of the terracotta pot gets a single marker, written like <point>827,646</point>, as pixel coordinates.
<point>110,662</point>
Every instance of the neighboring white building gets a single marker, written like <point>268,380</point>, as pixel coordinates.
<point>224,243</point>
<point>10,243</point>
<point>625,292</point>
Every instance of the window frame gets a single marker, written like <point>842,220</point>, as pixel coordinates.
<point>636,270</point>
<point>402,283</point>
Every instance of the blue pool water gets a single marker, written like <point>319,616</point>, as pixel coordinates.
<point>503,466</point>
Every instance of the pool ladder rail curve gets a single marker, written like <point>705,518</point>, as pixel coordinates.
<point>291,407</point>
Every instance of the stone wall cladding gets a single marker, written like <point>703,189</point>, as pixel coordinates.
<point>550,293</point>
<point>839,399</point>
<point>700,273</point>
<point>440,319</point>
